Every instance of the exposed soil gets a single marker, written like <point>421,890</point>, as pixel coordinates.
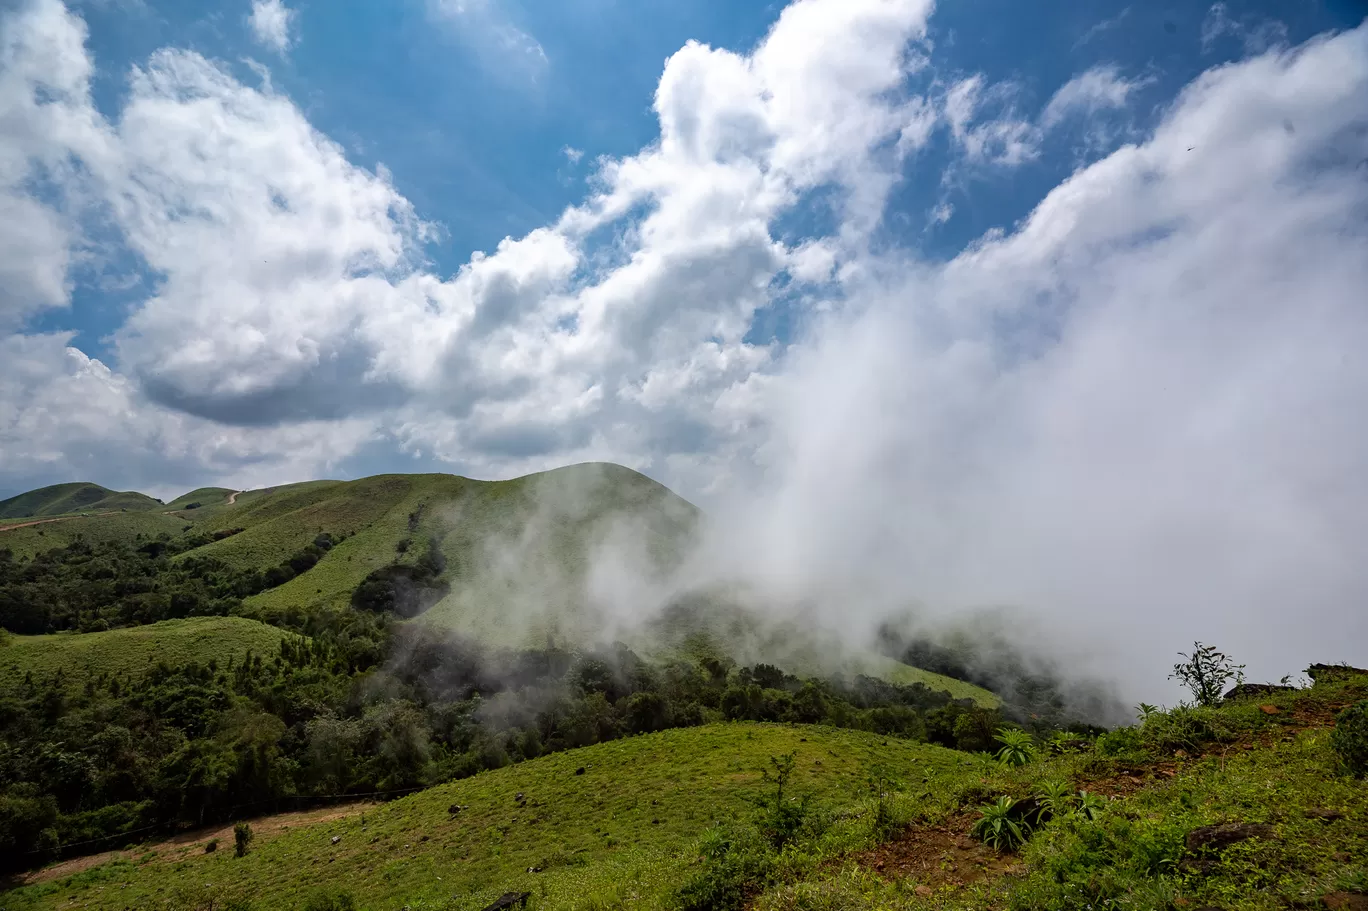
<point>939,857</point>
<point>35,522</point>
<point>189,844</point>
<point>232,498</point>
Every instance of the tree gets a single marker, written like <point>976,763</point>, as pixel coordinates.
<point>1206,672</point>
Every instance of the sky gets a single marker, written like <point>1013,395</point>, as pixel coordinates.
<point>1044,304</point>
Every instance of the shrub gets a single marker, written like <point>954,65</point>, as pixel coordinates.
<point>1018,747</point>
<point>1350,738</point>
<point>1120,742</point>
<point>242,837</point>
<point>1206,672</point>
<point>330,899</point>
<point>211,846</point>
<point>736,862</point>
<point>997,829</point>
<point>780,819</point>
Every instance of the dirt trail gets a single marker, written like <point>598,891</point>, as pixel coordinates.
<point>36,522</point>
<point>189,845</point>
<point>232,497</point>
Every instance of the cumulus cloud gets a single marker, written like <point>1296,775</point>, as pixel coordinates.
<point>271,22</point>
<point>1134,416</point>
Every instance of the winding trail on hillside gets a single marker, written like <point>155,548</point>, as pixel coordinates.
<point>232,498</point>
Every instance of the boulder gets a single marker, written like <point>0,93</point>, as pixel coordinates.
<point>509,900</point>
<point>1346,901</point>
<point>1217,838</point>
<point>1261,690</point>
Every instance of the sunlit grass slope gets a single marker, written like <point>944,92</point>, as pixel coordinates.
<point>619,833</point>
<point>117,526</point>
<point>64,499</point>
<point>204,496</point>
<point>134,650</point>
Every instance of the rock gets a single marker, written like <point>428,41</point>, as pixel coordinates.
<point>1249,690</point>
<point>534,869</point>
<point>1216,838</point>
<point>579,771</point>
<point>1318,672</point>
<point>455,808</point>
<point>1325,815</point>
<point>1346,901</point>
<point>1270,710</point>
<point>924,891</point>
<point>519,797</point>
<point>336,839</point>
<point>1029,811</point>
<point>509,900</point>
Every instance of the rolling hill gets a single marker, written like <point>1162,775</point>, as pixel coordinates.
<point>66,499</point>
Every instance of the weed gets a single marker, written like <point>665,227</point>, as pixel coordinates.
<point>997,828</point>
<point>1056,797</point>
<point>1018,747</point>
<point>1090,806</point>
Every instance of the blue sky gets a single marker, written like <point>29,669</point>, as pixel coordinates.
<point>969,303</point>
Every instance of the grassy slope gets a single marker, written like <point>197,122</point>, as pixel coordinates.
<point>65,499</point>
<point>119,526</point>
<point>133,650</point>
<point>619,831</point>
<point>205,496</point>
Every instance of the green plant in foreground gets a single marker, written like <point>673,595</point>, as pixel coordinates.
<point>1349,739</point>
<point>242,837</point>
<point>1206,672</point>
<point>1091,806</point>
<point>1056,798</point>
<point>997,828</point>
<point>1018,747</point>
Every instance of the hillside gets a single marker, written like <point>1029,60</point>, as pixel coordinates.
<point>132,651</point>
<point>66,499</point>
<point>1245,804</point>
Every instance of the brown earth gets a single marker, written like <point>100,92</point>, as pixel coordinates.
<point>188,844</point>
<point>939,858</point>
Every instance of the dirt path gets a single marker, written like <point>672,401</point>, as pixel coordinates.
<point>232,497</point>
<point>189,845</point>
<point>35,522</point>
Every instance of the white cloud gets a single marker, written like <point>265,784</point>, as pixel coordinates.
<point>572,154</point>
<point>1005,140</point>
<point>271,22</point>
<point>489,32</point>
<point>1097,89</point>
<point>1256,33</point>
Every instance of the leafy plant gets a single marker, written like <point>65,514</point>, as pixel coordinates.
<point>1145,710</point>
<point>1067,742</point>
<point>1349,739</point>
<point>1018,747</point>
<point>1056,798</point>
<point>997,829</point>
<point>781,816</point>
<point>1091,806</point>
<point>242,837</point>
<point>1206,672</point>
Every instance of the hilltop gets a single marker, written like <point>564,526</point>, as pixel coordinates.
<point>68,499</point>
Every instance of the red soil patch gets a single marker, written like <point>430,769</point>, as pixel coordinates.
<point>939,857</point>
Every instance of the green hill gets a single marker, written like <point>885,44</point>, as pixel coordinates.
<point>66,499</point>
<point>131,651</point>
<point>201,497</point>
<point>31,540</point>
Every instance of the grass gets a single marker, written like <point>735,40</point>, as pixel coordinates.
<point>1237,764</point>
<point>133,650</point>
<point>621,832</point>
<point>205,496</point>
<point>119,526</point>
<point>74,498</point>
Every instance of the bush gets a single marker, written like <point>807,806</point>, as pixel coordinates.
<point>1350,738</point>
<point>333,899</point>
<point>1206,672</point>
<point>996,827</point>
<point>736,862</point>
<point>1018,747</point>
<point>242,837</point>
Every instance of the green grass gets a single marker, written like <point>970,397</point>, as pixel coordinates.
<point>205,496</point>
<point>621,832</point>
<point>66,499</point>
<point>132,651</point>
<point>119,526</point>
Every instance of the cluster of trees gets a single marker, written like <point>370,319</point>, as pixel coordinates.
<point>92,587</point>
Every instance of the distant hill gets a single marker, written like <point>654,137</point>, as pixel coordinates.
<point>200,497</point>
<point>65,499</point>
